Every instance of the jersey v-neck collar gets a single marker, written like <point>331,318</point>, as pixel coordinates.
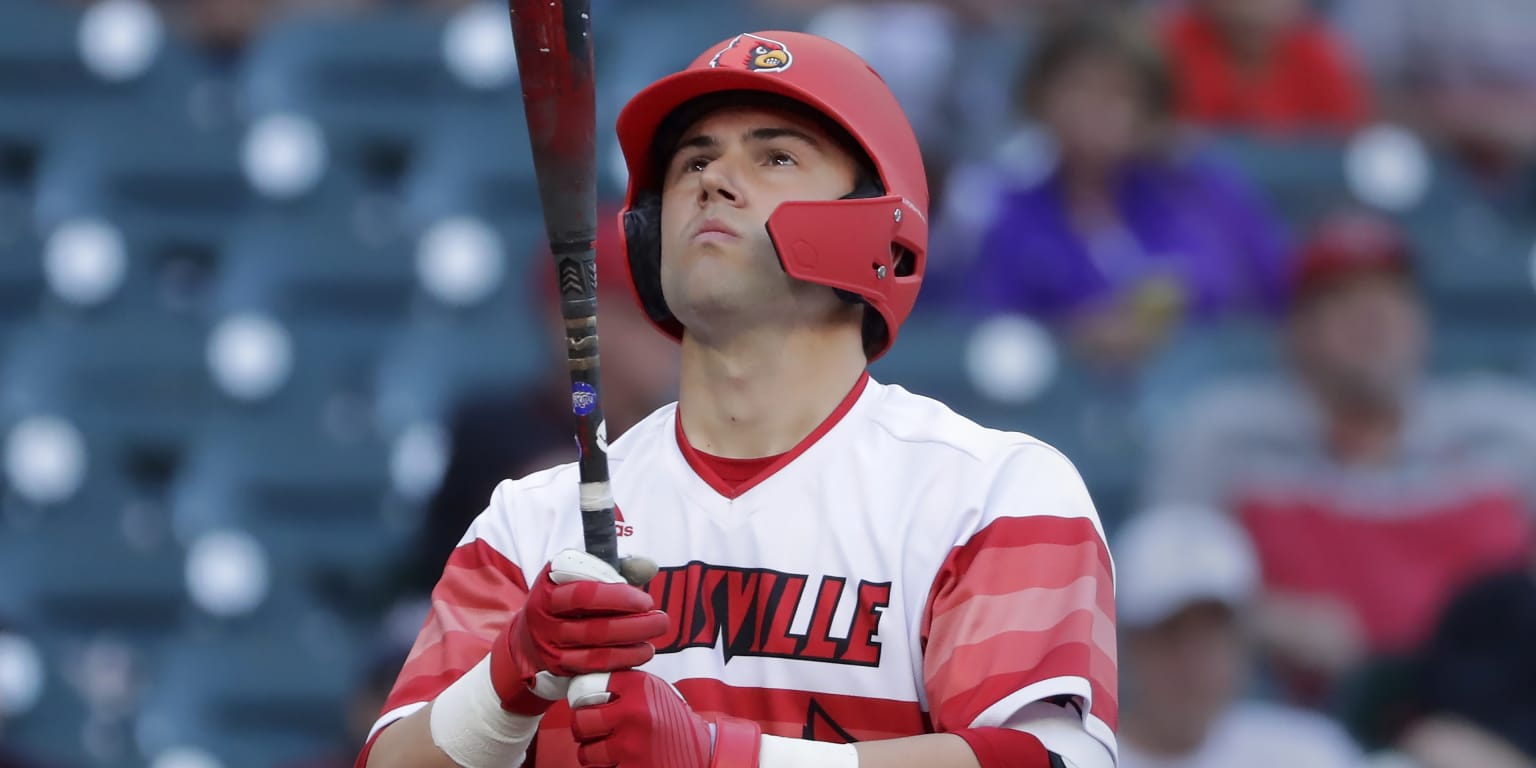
<point>700,462</point>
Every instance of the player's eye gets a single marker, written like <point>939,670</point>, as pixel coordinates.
<point>780,157</point>
<point>694,164</point>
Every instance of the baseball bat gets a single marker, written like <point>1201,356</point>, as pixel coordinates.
<point>555,64</point>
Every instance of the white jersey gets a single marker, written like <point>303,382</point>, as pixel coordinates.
<point>901,571</point>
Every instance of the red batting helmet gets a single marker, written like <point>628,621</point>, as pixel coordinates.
<point>870,246</point>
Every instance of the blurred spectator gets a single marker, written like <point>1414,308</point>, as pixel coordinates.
<point>1187,578</point>
<point>1262,65</point>
<point>1126,234</point>
<point>1463,73</point>
<point>940,59</point>
<point>500,435</point>
<point>228,25</point>
<point>1372,491</point>
<point>1478,686</point>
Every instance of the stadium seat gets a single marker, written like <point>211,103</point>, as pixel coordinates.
<point>314,269</point>
<point>371,82</point>
<point>154,171</point>
<point>1474,261</point>
<point>166,191</point>
<point>138,386</point>
<point>315,495</point>
<point>1302,178</point>
<point>21,281</point>
<point>437,362</point>
<point>99,562</point>
<point>268,690</point>
<point>475,160</point>
<point>53,730</point>
<point>42,77</point>
<point>1200,355</point>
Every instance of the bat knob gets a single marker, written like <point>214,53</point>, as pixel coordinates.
<point>637,570</point>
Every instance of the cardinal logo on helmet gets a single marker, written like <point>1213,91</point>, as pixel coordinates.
<point>753,53</point>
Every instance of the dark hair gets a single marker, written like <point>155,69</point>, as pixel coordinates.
<point>1100,33</point>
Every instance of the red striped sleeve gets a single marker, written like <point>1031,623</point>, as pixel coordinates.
<point>479,591</point>
<point>1025,600</point>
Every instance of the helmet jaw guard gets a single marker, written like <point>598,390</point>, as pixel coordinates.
<point>873,248</point>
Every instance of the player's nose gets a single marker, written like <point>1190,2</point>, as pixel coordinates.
<point>718,182</point>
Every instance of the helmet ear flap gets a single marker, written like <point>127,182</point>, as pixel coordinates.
<point>642,241</point>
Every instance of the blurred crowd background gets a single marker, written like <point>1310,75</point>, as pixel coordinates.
<point>274,319</point>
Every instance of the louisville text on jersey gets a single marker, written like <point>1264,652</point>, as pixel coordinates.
<point>748,611</point>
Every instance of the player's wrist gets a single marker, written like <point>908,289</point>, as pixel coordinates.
<point>471,725</point>
<point>780,752</point>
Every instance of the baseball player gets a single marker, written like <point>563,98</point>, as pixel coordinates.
<point>850,574</point>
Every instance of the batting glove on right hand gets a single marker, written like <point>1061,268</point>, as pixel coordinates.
<point>581,617</point>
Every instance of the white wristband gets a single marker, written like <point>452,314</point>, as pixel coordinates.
<point>469,725</point>
<point>779,752</point>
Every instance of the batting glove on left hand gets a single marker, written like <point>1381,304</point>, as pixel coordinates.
<point>634,719</point>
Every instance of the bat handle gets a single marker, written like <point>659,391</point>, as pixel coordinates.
<point>597,527</point>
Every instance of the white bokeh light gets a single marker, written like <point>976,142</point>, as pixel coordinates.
<point>185,757</point>
<point>1011,359</point>
<point>119,39</point>
<point>1388,167</point>
<point>227,573</point>
<point>85,261</point>
<point>284,155</point>
<point>418,459</point>
<point>478,46</point>
<point>21,674</point>
<point>250,356</point>
<point>460,260</point>
<point>45,459</point>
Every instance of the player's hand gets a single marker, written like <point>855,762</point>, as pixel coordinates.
<point>580,617</point>
<point>634,719</point>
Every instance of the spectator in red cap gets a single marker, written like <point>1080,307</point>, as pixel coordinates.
<point>500,434</point>
<point>1263,65</point>
<point>1372,490</point>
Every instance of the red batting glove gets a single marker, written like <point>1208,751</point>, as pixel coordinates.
<point>634,719</point>
<point>580,617</point>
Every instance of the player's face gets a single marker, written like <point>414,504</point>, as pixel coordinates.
<point>731,170</point>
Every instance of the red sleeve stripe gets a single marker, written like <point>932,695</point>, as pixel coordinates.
<point>1006,532</point>
<point>1064,662</point>
<point>1031,610</point>
<point>1025,600</point>
<point>478,593</point>
<point>1005,570</point>
<point>1023,658</point>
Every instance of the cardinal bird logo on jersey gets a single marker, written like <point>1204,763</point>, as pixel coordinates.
<point>756,54</point>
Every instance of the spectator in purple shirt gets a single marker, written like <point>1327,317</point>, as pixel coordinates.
<point>1128,234</point>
